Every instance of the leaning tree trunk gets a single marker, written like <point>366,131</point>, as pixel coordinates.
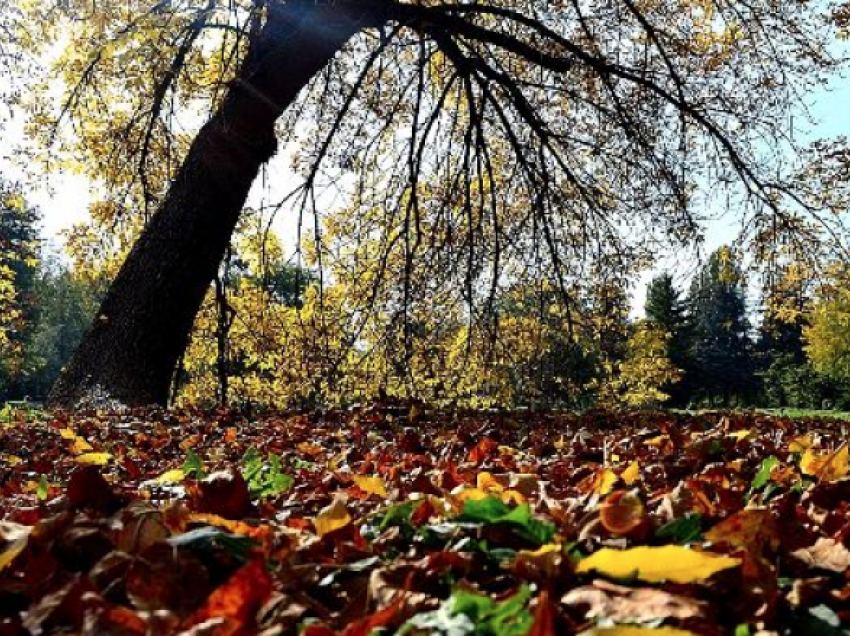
<point>131,349</point>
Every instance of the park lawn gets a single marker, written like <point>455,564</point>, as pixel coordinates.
<point>403,519</point>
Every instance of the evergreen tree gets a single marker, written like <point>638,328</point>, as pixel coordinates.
<point>722,370</point>
<point>665,309</point>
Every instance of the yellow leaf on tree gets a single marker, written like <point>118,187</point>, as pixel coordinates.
<point>826,466</point>
<point>371,485</point>
<point>631,630</point>
<point>15,537</point>
<point>631,474</point>
<point>656,564</point>
<point>332,517</point>
<point>93,459</point>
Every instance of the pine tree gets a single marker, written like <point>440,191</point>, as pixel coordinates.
<point>665,309</point>
<point>722,370</point>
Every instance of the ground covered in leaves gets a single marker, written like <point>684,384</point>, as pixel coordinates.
<point>403,520</point>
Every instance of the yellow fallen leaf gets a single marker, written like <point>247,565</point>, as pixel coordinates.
<point>332,517</point>
<point>801,443</point>
<point>826,466</point>
<point>80,446</point>
<point>630,630</point>
<point>739,435</point>
<point>174,476</point>
<point>67,433</point>
<point>371,485</point>
<point>13,460</point>
<point>604,482</point>
<point>485,481</point>
<point>561,444</point>
<point>656,564</point>
<point>93,459</point>
<point>15,537</point>
<point>631,474</point>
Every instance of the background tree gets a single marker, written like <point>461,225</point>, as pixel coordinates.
<point>721,350</point>
<point>646,371</point>
<point>827,336</point>
<point>481,139</point>
<point>665,309</point>
<point>18,308</point>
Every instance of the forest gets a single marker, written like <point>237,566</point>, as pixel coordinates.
<point>424,317</point>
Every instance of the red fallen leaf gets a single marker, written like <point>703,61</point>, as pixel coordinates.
<point>486,447</point>
<point>87,488</point>
<point>239,598</point>
<point>544,617</point>
<point>318,630</point>
<point>423,512</point>
<point>225,493</point>
<point>382,618</point>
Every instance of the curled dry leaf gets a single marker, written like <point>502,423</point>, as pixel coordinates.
<point>604,600</point>
<point>825,554</point>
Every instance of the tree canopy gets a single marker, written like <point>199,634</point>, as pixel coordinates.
<point>446,150</point>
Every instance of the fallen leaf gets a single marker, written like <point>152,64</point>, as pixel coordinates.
<point>825,554</point>
<point>240,597</point>
<point>605,600</point>
<point>93,459</point>
<point>332,517</point>
<point>631,474</point>
<point>14,537</point>
<point>371,485</point>
<point>752,529</point>
<point>657,564</point>
<point>628,630</point>
<point>826,466</point>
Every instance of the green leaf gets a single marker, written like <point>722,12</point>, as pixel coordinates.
<point>763,473</point>
<point>193,465</point>
<point>397,516</point>
<point>466,613</point>
<point>687,529</point>
<point>41,491</point>
<point>492,510</point>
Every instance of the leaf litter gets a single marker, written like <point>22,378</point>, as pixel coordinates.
<point>392,519</point>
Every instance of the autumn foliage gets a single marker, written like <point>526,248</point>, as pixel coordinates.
<point>401,519</point>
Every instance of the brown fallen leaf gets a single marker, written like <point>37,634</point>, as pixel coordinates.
<point>754,529</point>
<point>621,604</point>
<point>825,554</point>
<point>225,493</point>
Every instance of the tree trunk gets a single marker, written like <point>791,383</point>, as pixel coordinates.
<point>131,349</point>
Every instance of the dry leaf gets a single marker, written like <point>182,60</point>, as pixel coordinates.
<point>371,485</point>
<point>332,517</point>
<point>631,474</point>
<point>93,459</point>
<point>826,466</point>
<point>624,604</point>
<point>657,564</point>
<point>826,554</point>
<point>14,537</point>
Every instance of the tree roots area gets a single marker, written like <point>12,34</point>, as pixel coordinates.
<point>391,519</point>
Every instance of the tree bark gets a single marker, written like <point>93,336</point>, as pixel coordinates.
<point>142,328</point>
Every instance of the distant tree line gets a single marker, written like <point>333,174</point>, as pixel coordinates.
<point>269,335</point>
